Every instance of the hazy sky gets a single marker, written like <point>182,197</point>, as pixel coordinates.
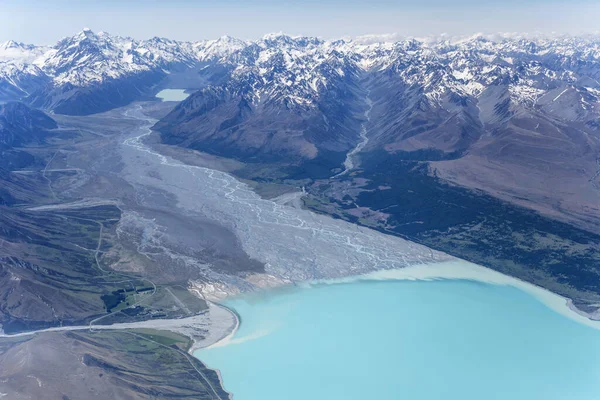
<point>44,22</point>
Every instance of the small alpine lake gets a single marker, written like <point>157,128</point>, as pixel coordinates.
<point>172,95</point>
<point>405,339</point>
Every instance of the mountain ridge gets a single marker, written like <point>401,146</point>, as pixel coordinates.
<point>506,106</point>
<point>87,58</point>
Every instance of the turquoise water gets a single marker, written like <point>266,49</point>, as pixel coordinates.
<point>416,340</point>
<point>172,95</point>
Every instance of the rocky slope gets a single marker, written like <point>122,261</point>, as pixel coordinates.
<point>509,108</point>
<point>20,124</point>
<point>515,118</point>
<point>283,99</point>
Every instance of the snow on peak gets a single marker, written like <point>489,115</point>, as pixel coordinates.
<point>301,68</point>
<point>274,35</point>
<point>11,44</point>
<point>86,32</point>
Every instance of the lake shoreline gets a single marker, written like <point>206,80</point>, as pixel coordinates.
<point>276,320</point>
<point>197,344</point>
<point>228,334</point>
<point>463,270</point>
<point>175,95</point>
<point>447,270</point>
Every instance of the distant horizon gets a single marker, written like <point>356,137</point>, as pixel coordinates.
<point>39,22</point>
<point>363,38</point>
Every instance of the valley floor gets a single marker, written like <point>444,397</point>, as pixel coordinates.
<point>153,227</point>
<point>181,230</point>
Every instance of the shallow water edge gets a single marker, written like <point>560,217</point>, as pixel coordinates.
<point>448,270</point>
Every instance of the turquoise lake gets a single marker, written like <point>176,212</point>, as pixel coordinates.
<point>416,340</point>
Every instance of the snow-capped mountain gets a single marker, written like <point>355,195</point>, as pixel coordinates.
<point>95,72</point>
<point>439,95</point>
<point>91,72</point>
<point>283,96</point>
<point>453,92</point>
<point>18,73</point>
<point>20,52</point>
<point>295,70</point>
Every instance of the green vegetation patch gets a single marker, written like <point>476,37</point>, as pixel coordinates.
<point>166,338</point>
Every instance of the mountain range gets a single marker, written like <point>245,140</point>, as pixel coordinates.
<point>512,119</point>
<point>508,108</point>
